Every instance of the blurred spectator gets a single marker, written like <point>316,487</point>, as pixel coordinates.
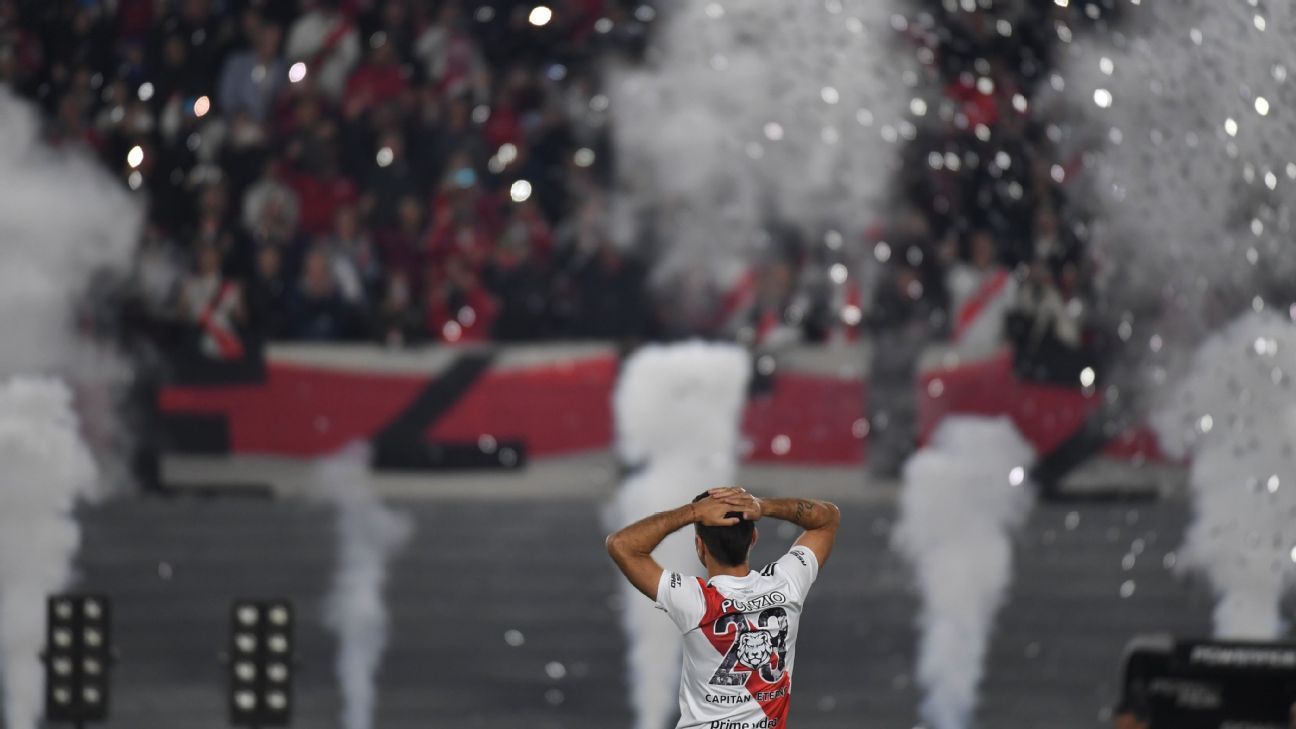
<point>356,267</point>
<point>967,276</point>
<point>459,308</point>
<point>612,295</point>
<point>317,178</point>
<point>397,22</point>
<point>176,75</point>
<point>764,315</point>
<point>202,33</point>
<point>1048,240</point>
<point>327,42</point>
<point>448,144</point>
<point>459,229</point>
<point>317,310</point>
<point>1046,325</point>
<point>398,322</point>
<point>449,55</point>
<point>391,180</point>
<point>21,53</point>
<point>214,306</point>
<point>377,81</point>
<point>252,77</point>
<point>401,244</point>
<point>134,18</point>
<point>271,208</point>
<point>270,293</point>
<point>900,321</point>
<point>516,279</point>
<point>981,292</point>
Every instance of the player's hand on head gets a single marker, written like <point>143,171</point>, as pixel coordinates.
<point>727,493</point>
<point>713,512</point>
<point>739,499</point>
<point>751,507</point>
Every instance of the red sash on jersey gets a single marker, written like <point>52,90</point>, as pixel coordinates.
<point>227,342</point>
<point>737,298</point>
<point>773,698</point>
<point>973,308</point>
<point>330,43</point>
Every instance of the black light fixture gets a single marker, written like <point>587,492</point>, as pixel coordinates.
<point>78,656</point>
<point>260,663</point>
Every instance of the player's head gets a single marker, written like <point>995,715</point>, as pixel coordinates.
<point>727,545</point>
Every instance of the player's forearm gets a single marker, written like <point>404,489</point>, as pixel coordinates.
<point>808,514</point>
<point>643,536</point>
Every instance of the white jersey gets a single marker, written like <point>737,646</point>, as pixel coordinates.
<point>739,641</point>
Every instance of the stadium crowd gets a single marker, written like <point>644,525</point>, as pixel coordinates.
<point>410,170</point>
<point>988,244</point>
<point>394,170</point>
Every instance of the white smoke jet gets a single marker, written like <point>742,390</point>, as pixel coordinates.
<point>677,412</point>
<point>750,111</point>
<point>1194,173</point>
<point>45,468</point>
<point>1235,416</point>
<point>1197,181</point>
<point>62,220</point>
<point>964,495</point>
<point>369,536</point>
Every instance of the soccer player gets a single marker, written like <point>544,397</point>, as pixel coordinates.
<point>739,625</point>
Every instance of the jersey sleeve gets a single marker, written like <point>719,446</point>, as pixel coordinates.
<point>799,567</point>
<point>680,597</point>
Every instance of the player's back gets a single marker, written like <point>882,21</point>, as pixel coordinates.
<point>739,641</point>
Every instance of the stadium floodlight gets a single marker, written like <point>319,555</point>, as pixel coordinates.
<point>260,660</point>
<point>78,655</point>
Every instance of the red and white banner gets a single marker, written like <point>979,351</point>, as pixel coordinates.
<point>555,400</point>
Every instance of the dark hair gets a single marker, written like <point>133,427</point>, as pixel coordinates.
<point>729,545</point>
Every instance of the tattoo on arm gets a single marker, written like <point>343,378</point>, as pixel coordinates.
<point>805,513</point>
<point>803,508</point>
<point>818,518</point>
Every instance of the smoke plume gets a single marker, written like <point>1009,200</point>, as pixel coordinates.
<point>45,468</point>
<point>677,410</point>
<point>1193,174</point>
<point>369,536</point>
<point>62,220</point>
<point>1235,416</point>
<point>753,112</point>
<point>963,498</point>
<point>1196,181</point>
